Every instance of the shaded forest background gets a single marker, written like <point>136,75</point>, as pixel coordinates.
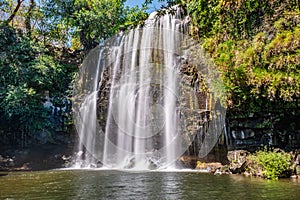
<point>254,43</point>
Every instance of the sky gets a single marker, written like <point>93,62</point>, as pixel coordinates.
<point>154,6</point>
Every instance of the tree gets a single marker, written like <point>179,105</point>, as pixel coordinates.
<point>27,72</point>
<point>40,50</point>
<point>89,21</point>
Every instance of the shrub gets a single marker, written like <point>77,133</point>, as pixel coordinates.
<point>269,164</point>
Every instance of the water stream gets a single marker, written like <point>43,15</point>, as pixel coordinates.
<point>137,105</point>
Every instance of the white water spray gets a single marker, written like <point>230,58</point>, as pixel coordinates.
<point>132,108</point>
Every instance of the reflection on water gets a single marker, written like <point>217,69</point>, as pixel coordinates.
<point>124,185</point>
<point>84,184</point>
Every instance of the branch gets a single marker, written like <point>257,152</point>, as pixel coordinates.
<point>11,17</point>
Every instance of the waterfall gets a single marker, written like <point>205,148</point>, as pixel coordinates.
<point>135,101</point>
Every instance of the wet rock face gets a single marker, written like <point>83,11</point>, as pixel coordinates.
<point>103,98</point>
<point>276,127</point>
<point>193,97</point>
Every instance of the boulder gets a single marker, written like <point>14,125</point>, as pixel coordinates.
<point>237,161</point>
<point>212,167</point>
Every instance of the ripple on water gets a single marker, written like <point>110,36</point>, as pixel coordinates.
<point>112,184</point>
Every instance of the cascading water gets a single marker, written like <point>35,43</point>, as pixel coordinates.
<point>136,104</point>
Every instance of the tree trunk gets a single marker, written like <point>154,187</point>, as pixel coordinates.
<point>28,18</point>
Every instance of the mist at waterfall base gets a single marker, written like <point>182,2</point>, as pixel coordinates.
<point>134,105</point>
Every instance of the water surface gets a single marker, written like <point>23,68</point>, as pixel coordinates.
<point>100,184</point>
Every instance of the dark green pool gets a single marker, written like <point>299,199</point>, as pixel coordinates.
<point>87,184</point>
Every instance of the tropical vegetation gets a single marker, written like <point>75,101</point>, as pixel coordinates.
<point>42,44</point>
<point>254,43</point>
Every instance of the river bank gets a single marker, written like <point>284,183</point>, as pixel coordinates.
<point>270,164</point>
<point>34,158</point>
<point>54,156</point>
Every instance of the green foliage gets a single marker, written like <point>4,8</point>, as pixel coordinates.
<point>204,14</point>
<point>133,17</point>
<point>22,107</point>
<point>41,47</point>
<point>272,164</point>
<point>26,74</point>
<point>90,21</point>
<point>50,75</point>
<point>254,43</point>
<point>234,19</point>
<point>254,46</point>
<point>18,100</point>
